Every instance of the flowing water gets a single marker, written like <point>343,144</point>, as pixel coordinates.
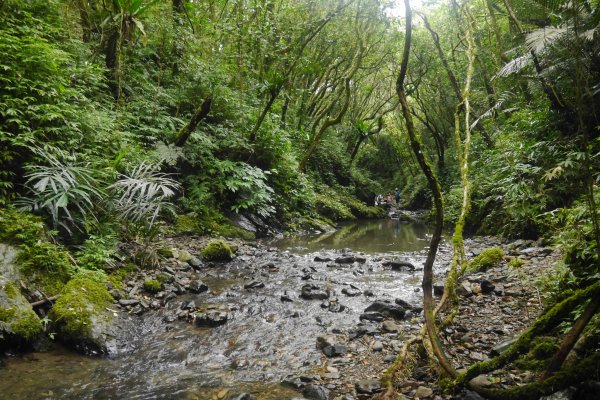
<point>266,341</point>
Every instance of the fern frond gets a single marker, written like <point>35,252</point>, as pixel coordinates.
<point>538,39</point>
<point>514,66</point>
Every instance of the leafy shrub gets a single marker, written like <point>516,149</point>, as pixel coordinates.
<point>20,228</point>
<point>97,252</point>
<point>142,196</point>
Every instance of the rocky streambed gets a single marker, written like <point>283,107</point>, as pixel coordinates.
<point>276,324</point>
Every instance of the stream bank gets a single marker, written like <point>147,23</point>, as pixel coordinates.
<point>275,324</point>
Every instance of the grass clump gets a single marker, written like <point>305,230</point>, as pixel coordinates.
<point>217,250</point>
<point>487,259</point>
<point>152,286</point>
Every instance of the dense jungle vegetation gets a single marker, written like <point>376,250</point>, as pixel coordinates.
<point>122,121</point>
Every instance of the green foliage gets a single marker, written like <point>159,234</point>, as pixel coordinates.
<point>20,228</point>
<point>217,250</point>
<point>47,266</point>
<point>152,286</point>
<point>97,252</point>
<point>516,263</point>
<point>487,259</point>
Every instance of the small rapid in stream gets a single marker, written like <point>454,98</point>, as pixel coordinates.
<point>270,337</point>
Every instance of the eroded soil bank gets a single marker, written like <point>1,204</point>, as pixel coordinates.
<point>281,324</point>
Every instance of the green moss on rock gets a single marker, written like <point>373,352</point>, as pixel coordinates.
<point>17,318</point>
<point>487,259</point>
<point>217,250</point>
<point>82,302</point>
<point>152,286</point>
<point>46,266</point>
<point>20,228</point>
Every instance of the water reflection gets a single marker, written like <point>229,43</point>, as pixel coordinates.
<point>372,236</point>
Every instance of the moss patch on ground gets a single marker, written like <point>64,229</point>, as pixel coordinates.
<point>487,259</point>
<point>83,298</point>
<point>217,250</point>
<point>46,266</point>
<point>152,286</point>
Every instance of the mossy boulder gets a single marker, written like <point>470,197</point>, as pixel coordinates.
<point>217,250</point>
<point>82,316</point>
<point>45,266</point>
<point>487,259</point>
<point>19,324</point>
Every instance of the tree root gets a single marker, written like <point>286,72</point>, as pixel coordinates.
<point>589,368</point>
<point>397,365</point>
<point>546,322</point>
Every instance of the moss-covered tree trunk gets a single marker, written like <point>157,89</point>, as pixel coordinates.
<point>434,186</point>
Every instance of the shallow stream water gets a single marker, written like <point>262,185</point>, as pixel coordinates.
<point>267,340</point>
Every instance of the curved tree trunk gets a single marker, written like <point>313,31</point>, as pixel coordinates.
<point>434,186</point>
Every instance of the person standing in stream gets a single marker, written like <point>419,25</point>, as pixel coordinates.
<point>397,195</point>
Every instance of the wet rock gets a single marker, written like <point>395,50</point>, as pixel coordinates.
<point>197,286</point>
<point>487,286</point>
<point>313,292</point>
<point>371,316</point>
<point>345,260</point>
<point>388,309</point>
<point>351,292</point>
<point>438,290</point>
<point>377,346</point>
<point>334,306</point>
<point>399,265</point>
<point>369,293</point>
<point>315,392</point>
<point>184,256</point>
<point>408,306</point>
<point>128,302</point>
<point>464,289</point>
<point>285,297</point>
<point>390,327</point>
<point>211,317</point>
<point>423,392</point>
<point>254,285</point>
<point>480,381</point>
<point>368,386</point>
<point>195,263</point>
<point>116,294</point>
<point>322,259</point>
<point>326,340</point>
<point>336,350</point>
<point>364,330</point>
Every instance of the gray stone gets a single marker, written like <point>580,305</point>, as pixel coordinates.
<point>197,286</point>
<point>195,262</point>
<point>313,292</point>
<point>184,256</point>
<point>390,327</point>
<point>322,259</point>
<point>254,285</point>
<point>387,309</point>
<point>480,381</point>
<point>351,292</point>
<point>502,347</point>
<point>368,386</point>
<point>371,316</point>
<point>423,392</point>
<point>128,302</point>
<point>315,392</point>
<point>211,317</point>
<point>464,289</point>
<point>336,350</point>
<point>377,346</point>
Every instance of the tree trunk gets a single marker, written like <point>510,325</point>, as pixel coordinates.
<point>434,186</point>
<point>185,132</point>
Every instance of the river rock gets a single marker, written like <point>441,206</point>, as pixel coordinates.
<point>84,320</point>
<point>371,316</point>
<point>487,286</point>
<point>195,262</point>
<point>377,346</point>
<point>364,330</point>
<point>254,285</point>
<point>351,292</point>
<point>368,386</point>
<point>438,290</point>
<point>322,259</point>
<point>315,392</point>
<point>423,392</point>
<point>211,317</point>
<point>244,396</point>
<point>313,292</point>
<point>387,308</point>
<point>480,381</point>
<point>464,289</point>
<point>336,350</point>
<point>197,286</point>
<point>502,347</point>
<point>399,265</point>
<point>390,326</point>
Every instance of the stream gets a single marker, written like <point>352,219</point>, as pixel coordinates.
<point>267,341</point>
